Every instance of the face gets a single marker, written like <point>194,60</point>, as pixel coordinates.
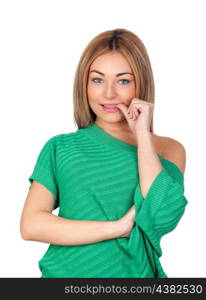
<point>110,81</point>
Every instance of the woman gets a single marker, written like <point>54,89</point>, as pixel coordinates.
<point>119,187</point>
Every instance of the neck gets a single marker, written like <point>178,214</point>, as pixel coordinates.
<point>118,127</point>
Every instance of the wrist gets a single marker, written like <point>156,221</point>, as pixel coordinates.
<point>143,135</point>
<point>116,230</point>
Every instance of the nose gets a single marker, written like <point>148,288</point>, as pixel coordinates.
<point>109,91</point>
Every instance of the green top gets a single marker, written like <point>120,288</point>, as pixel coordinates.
<point>94,176</point>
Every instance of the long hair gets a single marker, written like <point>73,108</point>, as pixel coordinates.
<point>132,48</point>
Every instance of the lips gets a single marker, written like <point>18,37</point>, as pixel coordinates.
<point>110,105</point>
<point>111,108</point>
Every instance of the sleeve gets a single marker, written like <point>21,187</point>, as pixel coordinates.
<point>45,170</point>
<point>160,211</point>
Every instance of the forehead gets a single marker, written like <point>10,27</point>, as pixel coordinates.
<point>113,61</point>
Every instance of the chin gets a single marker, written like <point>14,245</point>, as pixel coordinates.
<point>111,119</point>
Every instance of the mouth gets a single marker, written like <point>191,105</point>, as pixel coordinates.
<point>110,107</point>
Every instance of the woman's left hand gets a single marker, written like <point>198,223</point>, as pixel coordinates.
<point>138,115</point>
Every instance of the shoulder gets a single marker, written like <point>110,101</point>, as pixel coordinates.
<point>59,140</point>
<point>172,150</point>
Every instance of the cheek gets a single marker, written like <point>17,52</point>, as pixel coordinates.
<point>129,89</point>
<point>128,94</point>
<point>93,92</point>
<point>89,90</point>
<point>91,98</point>
<point>133,88</point>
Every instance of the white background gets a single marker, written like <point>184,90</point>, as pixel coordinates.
<point>41,43</point>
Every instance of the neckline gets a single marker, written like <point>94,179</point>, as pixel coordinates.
<point>103,136</point>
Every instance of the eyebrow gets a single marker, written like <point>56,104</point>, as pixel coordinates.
<point>119,74</point>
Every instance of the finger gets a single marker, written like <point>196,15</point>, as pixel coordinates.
<point>130,114</point>
<point>123,108</point>
<point>133,211</point>
<point>135,115</point>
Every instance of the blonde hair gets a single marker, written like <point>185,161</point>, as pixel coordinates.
<point>132,48</point>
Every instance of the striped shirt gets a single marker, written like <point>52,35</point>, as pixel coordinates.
<point>94,176</point>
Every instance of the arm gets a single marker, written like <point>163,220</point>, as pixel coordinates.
<point>148,161</point>
<point>46,227</point>
<point>159,195</point>
<point>39,224</point>
<point>160,210</point>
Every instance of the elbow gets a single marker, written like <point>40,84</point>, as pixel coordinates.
<point>24,231</point>
<point>24,234</point>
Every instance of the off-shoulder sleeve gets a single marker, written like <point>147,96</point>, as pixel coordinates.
<point>45,169</point>
<point>160,211</point>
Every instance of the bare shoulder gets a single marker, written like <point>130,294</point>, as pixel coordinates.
<point>172,150</point>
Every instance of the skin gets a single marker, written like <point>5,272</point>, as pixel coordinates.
<point>132,120</point>
<point>111,88</point>
<point>134,115</point>
<point>39,224</point>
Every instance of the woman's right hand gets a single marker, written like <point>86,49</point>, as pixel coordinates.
<point>126,223</point>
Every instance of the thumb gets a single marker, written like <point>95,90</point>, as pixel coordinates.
<point>123,109</point>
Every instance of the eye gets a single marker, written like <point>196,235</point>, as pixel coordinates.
<point>125,80</point>
<point>93,79</point>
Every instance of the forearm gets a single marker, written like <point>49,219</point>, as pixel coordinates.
<point>149,164</point>
<point>49,228</point>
